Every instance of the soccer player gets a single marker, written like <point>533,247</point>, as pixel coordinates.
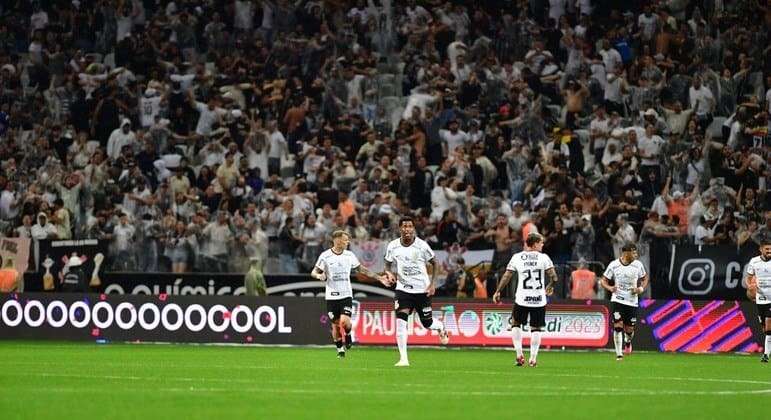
<point>626,279</point>
<point>529,268</point>
<point>335,266</point>
<point>414,287</point>
<point>759,288</point>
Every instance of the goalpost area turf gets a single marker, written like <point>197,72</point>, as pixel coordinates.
<point>63,380</point>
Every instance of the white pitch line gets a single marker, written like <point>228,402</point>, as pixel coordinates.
<point>503,371</point>
<point>434,387</point>
<point>370,392</point>
<point>483,393</point>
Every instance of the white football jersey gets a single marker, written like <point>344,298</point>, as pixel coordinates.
<point>762,272</point>
<point>530,267</point>
<point>625,277</point>
<point>411,272</point>
<point>149,108</point>
<point>337,268</point>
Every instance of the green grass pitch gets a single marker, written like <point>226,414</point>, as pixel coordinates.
<point>41,380</point>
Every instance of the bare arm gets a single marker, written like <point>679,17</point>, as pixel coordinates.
<point>389,273</point>
<point>431,266</point>
<point>461,286</point>
<point>665,192</point>
<point>370,275</point>
<point>643,285</point>
<point>503,282</point>
<point>552,275</point>
<point>605,283</point>
<point>752,287</point>
<point>318,274</point>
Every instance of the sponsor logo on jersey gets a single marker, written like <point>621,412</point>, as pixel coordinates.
<point>411,270</point>
<point>533,299</point>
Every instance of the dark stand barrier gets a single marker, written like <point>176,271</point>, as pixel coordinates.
<point>664,325</point>
<point>211,284</point>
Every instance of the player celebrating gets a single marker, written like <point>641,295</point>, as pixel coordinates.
<point>625,279</point>
<point>414,287</point>
<point>759,288</point>
<point>335,266</point>
<point>528,268</point>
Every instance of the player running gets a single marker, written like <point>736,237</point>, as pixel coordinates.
<point>759,288</point>
<point>529,268</point>
<point>335,266</point>
<point>414,287</point>
<point>626,279</point>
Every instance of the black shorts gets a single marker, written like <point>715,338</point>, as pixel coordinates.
<point>764,312</point>
<point>338,307</point>
<point>411,301</point>
<point>625,313</point>
<point>537,316</point>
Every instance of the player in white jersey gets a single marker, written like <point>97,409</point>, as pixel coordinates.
<point>335,266</point>
<point>414,284</point>
<point>759,288</point>
<point>149,107</point>
<point>529,268</point>
<point>626,279</point>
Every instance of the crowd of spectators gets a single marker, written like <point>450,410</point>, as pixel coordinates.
<point>195,135</point>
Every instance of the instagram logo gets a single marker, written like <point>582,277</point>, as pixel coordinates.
<point>696,277</point>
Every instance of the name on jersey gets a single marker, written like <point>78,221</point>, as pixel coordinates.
<point>532,299</point>
<point>530,263</point>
